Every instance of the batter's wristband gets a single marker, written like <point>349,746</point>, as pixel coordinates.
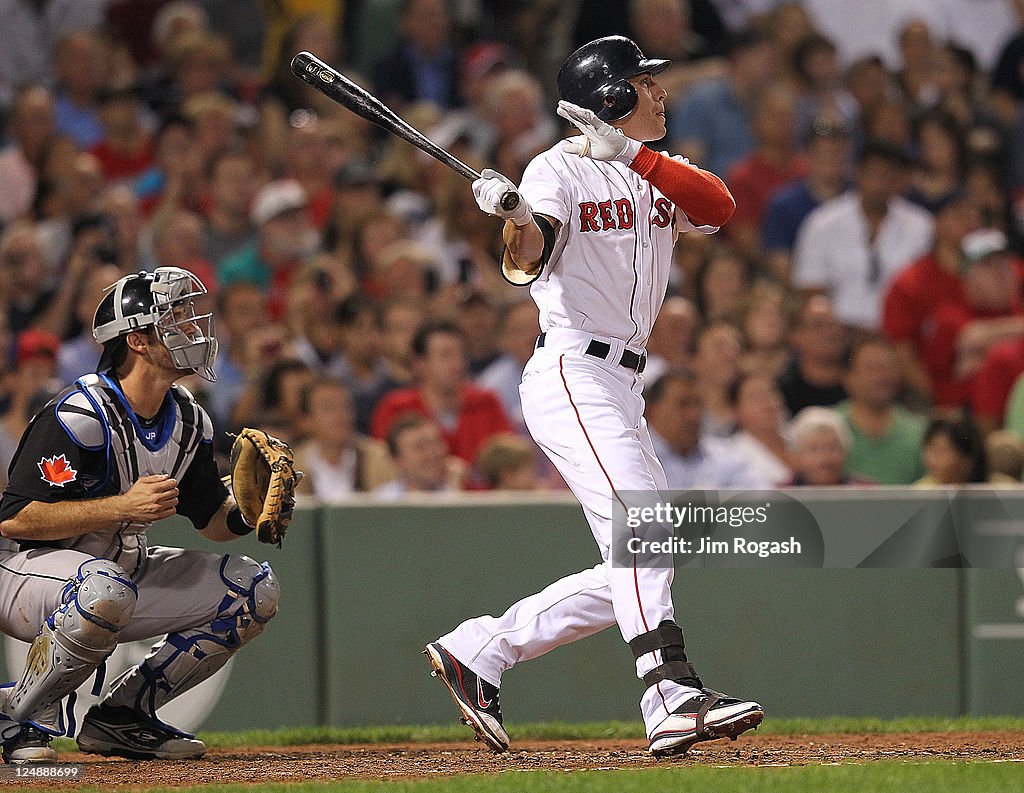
<point>236,523</point>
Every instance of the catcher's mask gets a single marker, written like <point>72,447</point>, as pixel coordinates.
<point>165,301</point>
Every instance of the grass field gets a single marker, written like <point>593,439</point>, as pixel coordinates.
<point>801,755</point>
<point>560,731</point>
<point>887,777</point>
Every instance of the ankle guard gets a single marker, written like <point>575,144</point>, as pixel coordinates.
<point>667,637</point>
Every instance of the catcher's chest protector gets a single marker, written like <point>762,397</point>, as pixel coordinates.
<point>96,417</point>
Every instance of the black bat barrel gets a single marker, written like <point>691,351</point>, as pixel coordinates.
<point>333,84</point>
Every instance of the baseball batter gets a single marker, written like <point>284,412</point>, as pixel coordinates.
<point>593,236</point>
<point>111,454</point>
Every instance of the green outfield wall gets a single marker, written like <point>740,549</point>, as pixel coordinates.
<point>366,586</point>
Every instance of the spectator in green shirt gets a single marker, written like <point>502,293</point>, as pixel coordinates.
<point>1015,408</point>
<point>886,437</point>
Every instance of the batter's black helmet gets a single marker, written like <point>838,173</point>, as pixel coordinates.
<point>596,76</point>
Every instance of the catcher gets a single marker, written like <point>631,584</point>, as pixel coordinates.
<point>111,454</point>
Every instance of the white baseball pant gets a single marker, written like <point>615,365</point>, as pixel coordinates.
<point>587,415</point>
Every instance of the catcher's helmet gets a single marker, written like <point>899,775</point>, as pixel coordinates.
<point>596,76</point>
<point>165,301</point>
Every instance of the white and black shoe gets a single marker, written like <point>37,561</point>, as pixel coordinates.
<point>476,698</point>
<point>116,731</point>
<point>705,717</point>
<point>28,745</point>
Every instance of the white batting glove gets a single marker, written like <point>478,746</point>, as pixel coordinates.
<point>490,188</point>
<point>601,141</point>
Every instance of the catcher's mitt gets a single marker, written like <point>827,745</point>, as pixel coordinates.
<point>263,480</point>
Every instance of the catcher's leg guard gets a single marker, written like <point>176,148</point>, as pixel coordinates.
<point>98,602</point>
<point>189,657</point>
<point>668,639</point>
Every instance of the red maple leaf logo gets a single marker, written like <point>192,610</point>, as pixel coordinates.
<point>57,470</point>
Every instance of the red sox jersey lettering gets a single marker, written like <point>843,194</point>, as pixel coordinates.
<point>591,212</point>
<point>663,213</point>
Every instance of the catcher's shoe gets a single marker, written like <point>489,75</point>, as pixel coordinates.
<point>705,717</point>
<point>477,699</point>
<point>125,732</point>
<point>29,745</point>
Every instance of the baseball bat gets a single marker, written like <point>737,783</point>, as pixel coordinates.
<point>336,86</point>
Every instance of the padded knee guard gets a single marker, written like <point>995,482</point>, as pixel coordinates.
<point>97,603</point>
<point>668,638</point>
<point>251,600</point>
<point>189,657</point>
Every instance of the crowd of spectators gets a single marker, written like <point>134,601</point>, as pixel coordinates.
<point>858,322</point>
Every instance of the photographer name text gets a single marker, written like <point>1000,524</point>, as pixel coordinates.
<point>709,547</point>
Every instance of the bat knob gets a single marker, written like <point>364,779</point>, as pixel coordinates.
<point>510,201</point>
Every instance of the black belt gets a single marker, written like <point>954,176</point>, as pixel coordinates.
<point>600,349</point>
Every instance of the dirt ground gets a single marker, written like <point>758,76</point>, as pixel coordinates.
<point>397,761</point>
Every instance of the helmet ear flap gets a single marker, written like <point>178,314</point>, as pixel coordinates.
<point>618,102</point>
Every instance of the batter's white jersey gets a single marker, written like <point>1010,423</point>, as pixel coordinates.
<point>609,268</point>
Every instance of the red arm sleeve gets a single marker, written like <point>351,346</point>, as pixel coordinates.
<point>700,194</point>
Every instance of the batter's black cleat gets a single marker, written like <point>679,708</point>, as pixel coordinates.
<point>28,745</point>
<point>117,731</point>
<point>476,698</point>
<point>705,717</point>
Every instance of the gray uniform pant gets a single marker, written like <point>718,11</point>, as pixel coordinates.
<point>178,589</point>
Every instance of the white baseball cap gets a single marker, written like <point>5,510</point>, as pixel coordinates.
<point>980,244</point>
<point>275,198</point>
